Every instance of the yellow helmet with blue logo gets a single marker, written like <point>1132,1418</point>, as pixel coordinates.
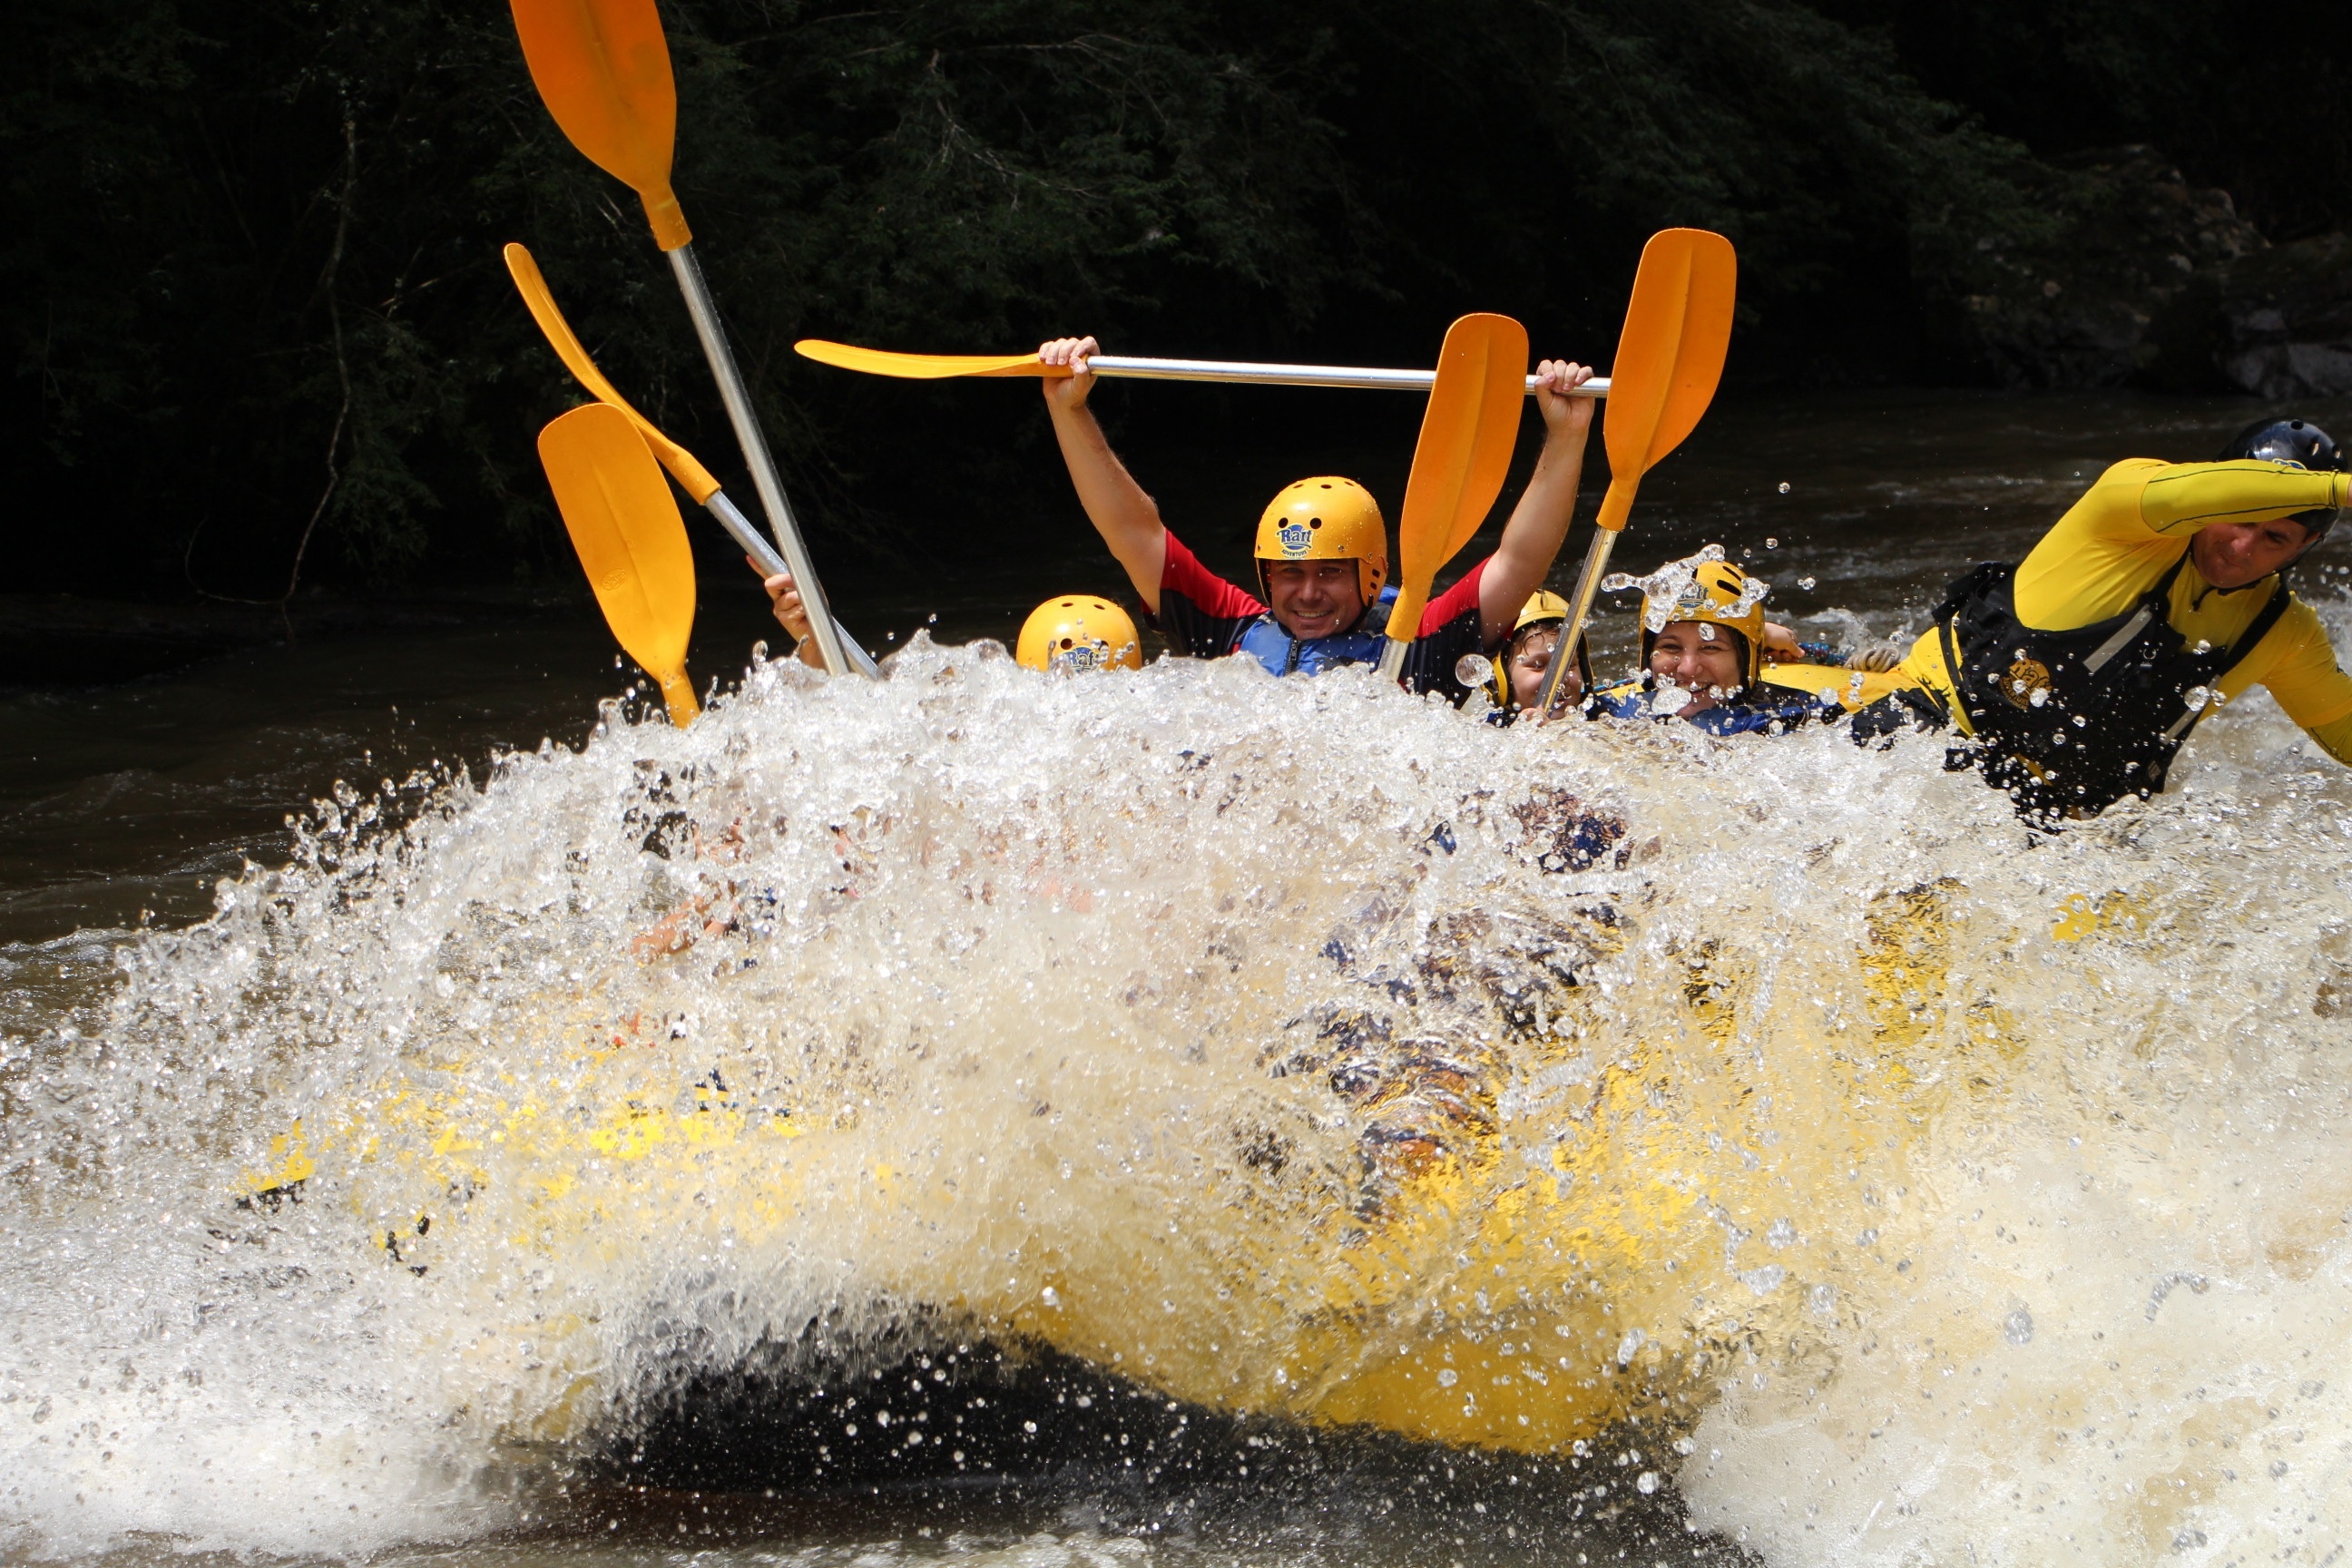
<point>1078,632</point>
<point>1326,518</point>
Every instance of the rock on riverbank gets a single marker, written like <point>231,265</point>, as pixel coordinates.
<point>2132,275</point>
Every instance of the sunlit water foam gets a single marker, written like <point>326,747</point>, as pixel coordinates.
<point>2010,1206</point>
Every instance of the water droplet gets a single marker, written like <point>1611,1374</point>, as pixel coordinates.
<point>1448,1377</point>
<point>1784,486</point>
<point>1647,1481</point>
<point>1474,669</point>
<point>1806,583</point>
<point>1634,1341</point>
<point>2041,695</point>
<point>2196,697</point>
<point>1771,544</point>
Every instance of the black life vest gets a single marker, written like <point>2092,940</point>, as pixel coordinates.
<point>2069,722</point>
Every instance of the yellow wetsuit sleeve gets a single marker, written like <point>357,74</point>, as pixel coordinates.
<point>2296,662</point>
<point>2182,498</point>
<point>2334,738</point>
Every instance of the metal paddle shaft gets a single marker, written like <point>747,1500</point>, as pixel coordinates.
<point>940,367</point>
<point>742,530</point>
<point>1669,360</point>
<point>764,478</point>
<point>1580,606</point>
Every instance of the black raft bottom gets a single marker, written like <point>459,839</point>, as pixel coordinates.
<point>947,1437</point>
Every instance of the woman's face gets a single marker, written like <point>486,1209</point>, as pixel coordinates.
<point>1530,661</point>
<point>1702,659</point>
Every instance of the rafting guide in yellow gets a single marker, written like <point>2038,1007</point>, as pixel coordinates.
<point>1322,550</point>
<point>2078,674</point>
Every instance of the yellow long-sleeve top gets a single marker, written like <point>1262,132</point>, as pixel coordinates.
<point>2125,532</point>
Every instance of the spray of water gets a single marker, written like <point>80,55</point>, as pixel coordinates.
<point>1298,1048</point>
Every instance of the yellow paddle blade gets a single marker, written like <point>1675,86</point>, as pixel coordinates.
<point>1669,358</point>
<point>624,522</point>
<point>1463,456</point>
<point>696,478</point>
<point>923,367</point>
<point>602,67</point>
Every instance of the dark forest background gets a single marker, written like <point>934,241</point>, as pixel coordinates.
<point>251,293</point>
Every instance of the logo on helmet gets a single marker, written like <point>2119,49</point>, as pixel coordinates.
<point>1295,537</point>
<point>1085,657</point>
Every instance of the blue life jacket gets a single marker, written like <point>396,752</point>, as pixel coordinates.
<point>1775,709</point>
<point>1264,640</point>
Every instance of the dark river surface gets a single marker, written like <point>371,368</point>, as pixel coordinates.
<point>2136,1353</point>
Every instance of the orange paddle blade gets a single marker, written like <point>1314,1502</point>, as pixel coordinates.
<point>602,67</point>
<point>624,522</point>
<point>1670,357</point>
<point>1463,456</point>
<point>922,367</point>
<point>696,478</point>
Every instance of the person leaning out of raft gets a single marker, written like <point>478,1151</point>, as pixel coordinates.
<point>1322,550</point>
<point>1711,658</point>
<point>2077,674</point>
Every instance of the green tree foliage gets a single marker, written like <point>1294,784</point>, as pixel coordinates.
<point>255,312</point>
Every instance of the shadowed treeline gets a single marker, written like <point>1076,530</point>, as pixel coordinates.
<point>255,314</point>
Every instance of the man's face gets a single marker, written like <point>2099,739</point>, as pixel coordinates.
<point>1314,598</point>
<point>1701,658</point>
<point>2235,554</point>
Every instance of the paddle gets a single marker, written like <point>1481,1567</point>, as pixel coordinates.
<point>938,367</point>
<point>1669,358</point>
<point>1458,465</point>
<point>602,67</point>
<point>697,479</point>
<point>631,542</point>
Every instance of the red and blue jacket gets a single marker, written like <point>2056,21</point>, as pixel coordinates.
<point>1205,617</point>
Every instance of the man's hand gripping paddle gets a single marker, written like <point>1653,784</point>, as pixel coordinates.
<point>696,479</point>
<point>1459,465</point>
<point>624,522</point>
<point>601,68</point>
<point>1669,358</point>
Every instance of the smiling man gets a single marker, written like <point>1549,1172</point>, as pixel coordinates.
<point>2078,673</point>
<point>1322,550</point>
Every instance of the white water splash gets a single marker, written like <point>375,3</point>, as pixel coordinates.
<point>1034,964</point>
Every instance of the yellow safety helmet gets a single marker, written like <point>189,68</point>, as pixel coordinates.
<point>1078,631</point>
<point>1326,518</point>
<point>1543,608</point>
<point>1709,589</point>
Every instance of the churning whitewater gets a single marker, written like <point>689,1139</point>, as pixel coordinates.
<point>1916,1187</point>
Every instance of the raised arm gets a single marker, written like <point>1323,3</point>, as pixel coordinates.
<point>1128,519</point>
<point>2182,497</point>
<point>1531,540</point>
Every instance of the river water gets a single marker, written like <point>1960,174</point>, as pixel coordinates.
<point>1175,1117</point>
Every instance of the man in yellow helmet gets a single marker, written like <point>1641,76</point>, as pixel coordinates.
<point>2077,674</point>
<point>1322,550</point>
